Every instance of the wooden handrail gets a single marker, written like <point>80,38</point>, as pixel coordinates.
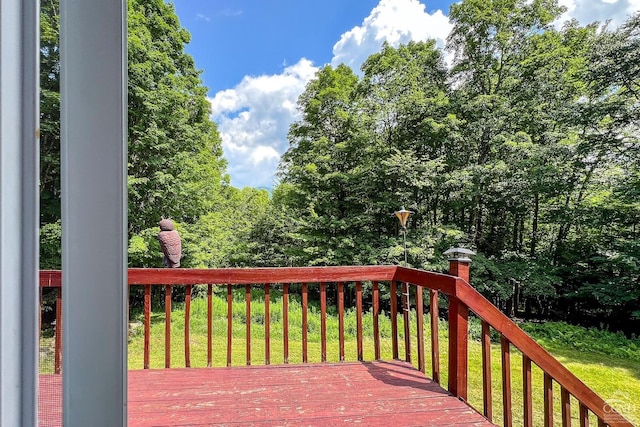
<point>249,276</point>
<point>241,276</point>
<point>438,282</point>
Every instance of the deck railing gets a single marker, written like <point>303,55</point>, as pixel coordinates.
<point>462,299</point>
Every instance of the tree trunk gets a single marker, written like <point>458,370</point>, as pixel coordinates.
<point>527,308</point>
<point>514,300</point>
<point>534,226</point>
<point>516,226</point>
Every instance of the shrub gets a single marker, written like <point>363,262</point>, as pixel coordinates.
<point>593,340</point>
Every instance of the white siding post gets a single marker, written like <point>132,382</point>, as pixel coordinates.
<point>93,48</point>
<point>19,212</point>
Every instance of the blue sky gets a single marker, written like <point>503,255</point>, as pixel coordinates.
<point>258,55</point>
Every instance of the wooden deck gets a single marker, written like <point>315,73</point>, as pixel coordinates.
<point>374,393</point>
<point>371,394</point>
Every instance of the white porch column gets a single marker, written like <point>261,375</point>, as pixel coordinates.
<point>93,51</point>
<point>19,212</point>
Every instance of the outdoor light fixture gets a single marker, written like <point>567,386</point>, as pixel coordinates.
<point>403,215</point>
<point>460,254</point>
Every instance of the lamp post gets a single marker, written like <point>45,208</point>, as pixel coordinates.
<point>403,215</point>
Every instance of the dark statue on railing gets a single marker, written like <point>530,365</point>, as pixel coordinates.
<point>170,244</point>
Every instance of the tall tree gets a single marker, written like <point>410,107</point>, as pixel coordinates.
<point>175,154</point>
<point>175,166</point>
<point>600,242</point>
<point>49,111</point>
<point>326,148</point>
<point>489,40</point>
<point>405,107</point>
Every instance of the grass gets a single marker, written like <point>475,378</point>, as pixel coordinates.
<point>609,365</point>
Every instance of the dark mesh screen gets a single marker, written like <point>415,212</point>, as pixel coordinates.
<point>50,384</point>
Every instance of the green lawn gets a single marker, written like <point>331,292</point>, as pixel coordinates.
<point>615,378</point>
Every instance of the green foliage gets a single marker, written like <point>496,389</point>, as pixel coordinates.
<point>175,165</point>
<point>475,331</point>
<point>271,240</point>
<point>561,335</point>
<point>218,237</point>
<point>51,246</point>
<point>144,249</point>
<point>526,150</point>
<point>49,113</point>
<point>345,172</point>
<point>592,340</point>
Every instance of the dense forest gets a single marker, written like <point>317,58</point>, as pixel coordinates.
<point>519,140</point>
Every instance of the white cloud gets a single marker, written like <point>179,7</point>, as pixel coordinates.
<point>253,119</point>
<point>264,154</point>
<point>588,11</point>
<point>230,12</point>
<point>395,21</point>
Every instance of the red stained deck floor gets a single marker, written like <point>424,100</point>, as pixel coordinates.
<point>371,394</point>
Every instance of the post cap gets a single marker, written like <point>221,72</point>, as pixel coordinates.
<point>460,254</point>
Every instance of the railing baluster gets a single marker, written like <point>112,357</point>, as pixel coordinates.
<point>565,405</point>
<point>285,321</point>
<point>527,398</point>
<point>58,340</point>
<point>40,313</point>
<point>487,399</point>
<point>209,324</point>
<point>420,321</point>
<point>305,324</point>
<point>376,327</point>
<point>341,319</point>
<point>167,326</point>
<point>323,321</point>
<point>406,306</point>
<point>147,326</point>
<point>267,326</point>
<point>187,321</point>
<point>435,340</point>
<point>229,323</point>
<point>548,400</point>
<point>584,416</point>
<point>247,297</point>
<point>40,290</point>
<point>394,318</point>
<point>506,383</point>
<point>359,320</point>
<point>601,423</point>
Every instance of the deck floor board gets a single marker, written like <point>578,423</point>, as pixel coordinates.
<point>371,394</point>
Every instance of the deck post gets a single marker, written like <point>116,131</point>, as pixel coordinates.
<point>458,325</point>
